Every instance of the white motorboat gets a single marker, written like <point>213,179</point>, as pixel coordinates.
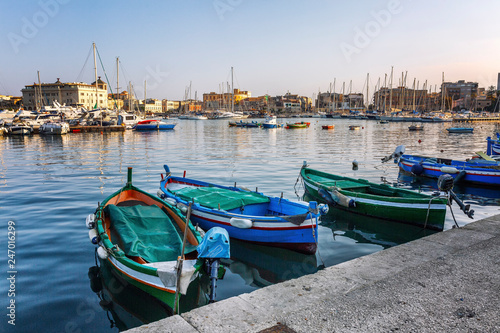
<point>54,128</point>
<point>20,129</point>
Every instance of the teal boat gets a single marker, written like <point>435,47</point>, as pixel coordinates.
<point>359,196</point>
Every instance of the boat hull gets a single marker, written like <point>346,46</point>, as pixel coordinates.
<point>493,147</point>
<point>161,127</point>
<point>54,129</point>
<point>20,130</point>
<point>460,130</point>
<point>425,211</point>
<point>475,172</point>
<point>135,270</point>
<point>274,231</point>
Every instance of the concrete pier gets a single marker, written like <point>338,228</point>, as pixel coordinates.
<point>446,282</point>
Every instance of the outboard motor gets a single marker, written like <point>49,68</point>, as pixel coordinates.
<point>445,183</point>
<point>398,152</point>
<point>213,247</point>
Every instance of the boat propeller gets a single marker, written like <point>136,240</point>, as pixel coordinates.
<point>445,184</point>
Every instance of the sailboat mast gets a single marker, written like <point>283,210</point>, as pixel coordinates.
<point>390,92</point>
<point>385,92</point>
<point>95,74</point>
<point>130,97</point>
<point>334,101</point>
<point>39,103</point>
<point>442,94</point>
<point>367,86</point>
<point>117,81</point>
<point>414,79</point>
<point>144,98</point>
<point>232,91</point>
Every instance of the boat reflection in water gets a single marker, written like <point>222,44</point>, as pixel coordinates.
<point>127,306</point>
<point>260,266</point>
<point>477,194</point>
<point>370,230</point>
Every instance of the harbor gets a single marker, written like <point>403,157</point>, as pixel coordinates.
<point>444,282</point>
<point>94,164</point>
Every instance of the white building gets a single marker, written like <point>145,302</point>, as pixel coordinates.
<point>75,94</point>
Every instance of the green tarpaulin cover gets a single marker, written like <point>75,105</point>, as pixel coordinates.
<point>211,197</point>
<point>146,232</point>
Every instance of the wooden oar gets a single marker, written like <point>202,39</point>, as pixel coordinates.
<point>180,260</point>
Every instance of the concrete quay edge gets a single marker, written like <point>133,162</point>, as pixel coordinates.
<point>446,282</point>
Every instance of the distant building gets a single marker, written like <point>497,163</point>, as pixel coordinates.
<point>482,102</point>
<point>150,105</point>
<point>498,82</point>
<point>217,101</point>
<point>10,102</point>
<point>402,99</point>
<point>254,103</point>
<point>75,94</point>
<point>169,106</point>
<point>460,90</point>
<point>328,102</point>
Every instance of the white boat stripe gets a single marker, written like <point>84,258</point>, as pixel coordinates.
<point>283,224</point>
<point>142,277</point>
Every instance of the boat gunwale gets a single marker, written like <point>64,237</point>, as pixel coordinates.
<point>103,229</point>
<point>223,213</point>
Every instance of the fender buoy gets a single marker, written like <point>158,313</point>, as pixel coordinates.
<point>417,169</point>
<point>241,223</point>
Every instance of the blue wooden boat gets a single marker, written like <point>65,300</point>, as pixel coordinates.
<point>493,146</point>
<point>248,216</point>
<point>153,125</point>
<point>476,171</point>
<point>460,129</point>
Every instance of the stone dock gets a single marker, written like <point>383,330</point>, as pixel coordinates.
<point>446,282</point>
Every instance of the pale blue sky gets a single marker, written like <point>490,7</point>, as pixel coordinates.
<point>274,46</point>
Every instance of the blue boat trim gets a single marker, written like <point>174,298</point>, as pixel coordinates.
<point>292,225</point>
<point>476,171</point>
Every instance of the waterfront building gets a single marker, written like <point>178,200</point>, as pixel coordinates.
<point>77,94</point>
<point>151,105</point>
<point>460,90</point>
<point>169,106</point>
<point>328,102</point>
<point>402,99</point>
<point>498,82</point>
<point>213,100</point>
<point>254,103</point>
<point>10,102</point>
<point>290,103</point>
<point>190,105</point>
<point>482,102</point>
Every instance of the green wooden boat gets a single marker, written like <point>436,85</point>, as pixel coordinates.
<point>142,238</point>
<point>359,196</point>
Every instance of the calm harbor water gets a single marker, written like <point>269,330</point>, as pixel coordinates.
<point>49,184</point>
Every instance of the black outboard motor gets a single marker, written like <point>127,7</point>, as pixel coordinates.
<point>213,247</point>
<point>445,183</point>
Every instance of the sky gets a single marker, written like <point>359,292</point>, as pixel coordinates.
<point>275,47</point>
